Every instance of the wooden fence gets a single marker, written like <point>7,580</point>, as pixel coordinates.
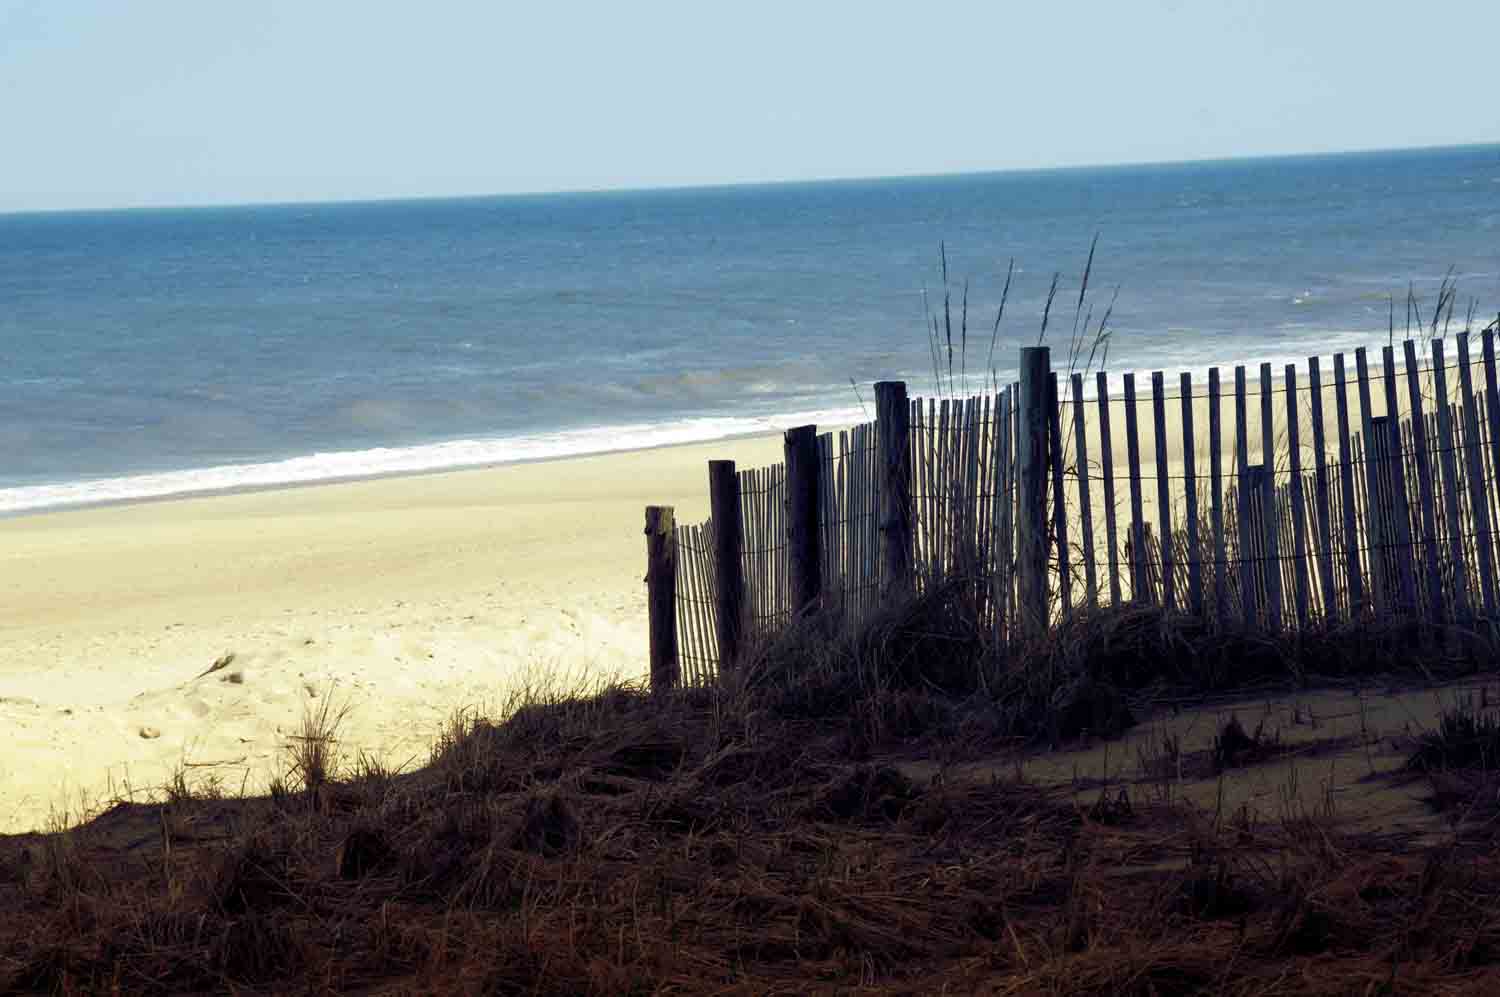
<point>1253,501</point>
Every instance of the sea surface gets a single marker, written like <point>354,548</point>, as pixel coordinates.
<point>163,352</point>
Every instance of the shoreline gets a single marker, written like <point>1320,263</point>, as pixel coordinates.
<point>259,489</point>
<point>344,466</point>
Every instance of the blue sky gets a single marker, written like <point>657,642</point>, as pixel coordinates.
<point>107,104</point>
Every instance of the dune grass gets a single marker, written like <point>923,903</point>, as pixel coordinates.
<point>764,837</point>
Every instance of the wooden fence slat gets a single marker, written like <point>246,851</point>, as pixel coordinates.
<point>1245,500</point>
<point>944,492</point>
<point>1007,511</point>
<point>661,597</point>
<point>1015,501</point>
<point>1190,480</point>
<point>984,443</point>
<point>1272,521</point>
<point>978,407</point>
<point>1298,507</point>
<point>1361,500</point>
<point>706,655</point>
<point>1466,529</point>
<point>1379,597</point>
<point>1352,575</point>
<point>781,550</point>
<point>1434,602</point>
<point>766,542</point>
<point>1216,498</point>
<point>782,556</point>
<point>1033,605</point>
<point>856,514</point>
<point>853,514</point>
<point>1107,472</point>
<point>872,524</point>
<point>921,445</point>
<point>682,610</point>
<point>1394,472</point>
<point>1324,543</point>
<point>953,504</point>
<point>728,562</point>
<point>1478,497</point>
<point>687,619</point>
<point>1448,459</point>
<point>703,540</point>
<point>762,542</point>
<point>749,506</point>
<point>996,484</point>
<point>1488,403</point>
<point>1085,508</point>
<point>1407,467</point>
<point>686,652</point>
<point>915,432</point>
<point>1137,517</point>
<point>1381,508</point>
<point>827,518</point>
<point>1492,411</point>
<point>1163,488</point>
<point>770,540</point>
<point>1059,498</point>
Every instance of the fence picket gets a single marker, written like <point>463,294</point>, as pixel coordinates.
<point>1321,505</point>
<point>1137,518</point>
<point>1379,597</point>
<point>1478,498</point>
<point>1107,472</point>
<point>1272,520</point>
<point>1216,498</point>
<point>1163,488</point>
<point>1244,493</point>
<point>1448,460</point>
<point>1059,498</point>
<point>1190,482</point>
<point>1298,508</point>
<point>1085,513</point>
<point>1394,470</point>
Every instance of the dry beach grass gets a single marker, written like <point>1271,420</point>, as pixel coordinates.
<point>852,813</point>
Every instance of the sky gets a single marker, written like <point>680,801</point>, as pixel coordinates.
<point>108,103</point>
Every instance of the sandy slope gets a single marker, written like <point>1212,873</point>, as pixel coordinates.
<point>406,598</point>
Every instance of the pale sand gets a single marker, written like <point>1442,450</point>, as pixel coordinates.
<point>408,598</point>
<point>1333,753</point>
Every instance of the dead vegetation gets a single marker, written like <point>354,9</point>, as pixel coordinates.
<point>761,838</point>
<point>1460,759</point>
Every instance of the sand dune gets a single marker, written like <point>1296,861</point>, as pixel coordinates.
<point>406,598</point>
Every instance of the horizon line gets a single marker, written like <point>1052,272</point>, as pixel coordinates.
<point>736,184</point>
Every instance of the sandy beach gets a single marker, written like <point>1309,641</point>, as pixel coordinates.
<point>406,598</point>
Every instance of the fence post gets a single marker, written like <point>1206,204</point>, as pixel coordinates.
<point>729,567</point>
<point>1031,453</point>
<point>661,596</point>
<point>802,502</point>
<point>893,437</point>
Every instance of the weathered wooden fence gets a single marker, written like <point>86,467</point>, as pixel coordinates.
<point>1254,501</point>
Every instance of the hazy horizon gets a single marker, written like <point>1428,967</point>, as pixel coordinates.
<point>182,104</point>
<point>775,182</point>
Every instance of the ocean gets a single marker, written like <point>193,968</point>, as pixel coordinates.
<point>163,352</point>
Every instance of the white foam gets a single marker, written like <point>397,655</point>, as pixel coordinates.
<point>452,455</point>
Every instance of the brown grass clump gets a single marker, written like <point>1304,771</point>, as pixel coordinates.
<point>764,838</point>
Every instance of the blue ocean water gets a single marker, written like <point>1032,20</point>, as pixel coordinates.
<point>160,352</point>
